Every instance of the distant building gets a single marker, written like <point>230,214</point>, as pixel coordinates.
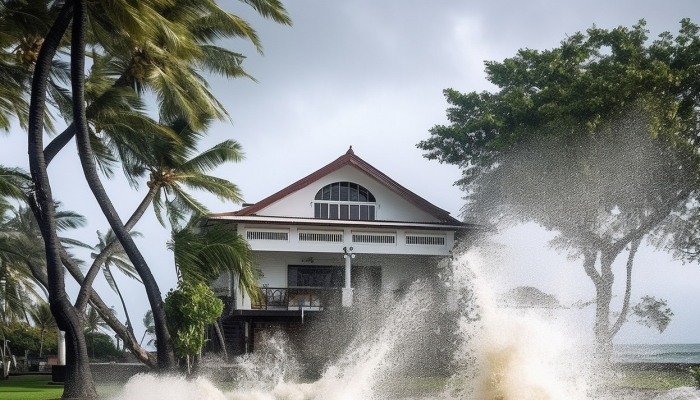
<point>343,226</point>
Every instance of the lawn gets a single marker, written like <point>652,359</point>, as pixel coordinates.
<point>29,387</point>
<point>36,387</point>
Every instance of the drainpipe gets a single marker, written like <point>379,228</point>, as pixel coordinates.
<point>347,290</point>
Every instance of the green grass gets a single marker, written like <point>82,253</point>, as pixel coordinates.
<point>36,387</point>
<point>29,387</point>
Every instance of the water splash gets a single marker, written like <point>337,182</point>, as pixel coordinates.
<point>496,353</point>
<point>510,353</point>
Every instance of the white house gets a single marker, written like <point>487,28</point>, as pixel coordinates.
<point>345,226</point>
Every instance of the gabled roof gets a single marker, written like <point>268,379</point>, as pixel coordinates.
<point>349,159</point>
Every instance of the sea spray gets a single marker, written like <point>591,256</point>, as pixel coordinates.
<point>508,353</point>
<point>497,352</point>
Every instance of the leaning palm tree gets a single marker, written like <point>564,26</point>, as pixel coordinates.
<point>116,258</point>
<point>203,253</point>
<point>135,21</point>
<point>174,169</point>
<point>43,319</point>
<point>170,109</point>
<point>150,327</point>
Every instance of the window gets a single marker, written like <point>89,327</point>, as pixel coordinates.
<point>313,276</point>
<point>345,200</point>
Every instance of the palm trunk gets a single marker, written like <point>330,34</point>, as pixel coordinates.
<point>90,277</point>
<point>41,342</point>
<point>107,315</point>
<point>166,359</point>
<point>79,383</point>
<point>129,325</point>
<point>220,336</point>
<point>58,143</point>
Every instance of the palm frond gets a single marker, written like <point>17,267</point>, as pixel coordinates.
<point>226,151</point>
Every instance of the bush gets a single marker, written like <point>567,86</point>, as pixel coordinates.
<point>102,348</point>
<point>190,308</point>
<point>23,337</point>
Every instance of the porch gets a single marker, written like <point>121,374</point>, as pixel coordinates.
<point>297,298</point>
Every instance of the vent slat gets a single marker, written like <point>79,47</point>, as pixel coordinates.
<point>267,235</point>
<point>425,240</point>
<point>373,238</point>
<point>329,237</point>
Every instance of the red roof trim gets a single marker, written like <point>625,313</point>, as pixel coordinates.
<point>349,158</point>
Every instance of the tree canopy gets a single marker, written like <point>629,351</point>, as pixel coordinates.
<point>595,139</point>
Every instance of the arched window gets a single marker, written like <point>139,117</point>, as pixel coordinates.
<point>345,200</point>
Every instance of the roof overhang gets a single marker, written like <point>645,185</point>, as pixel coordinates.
<point>267,220</point>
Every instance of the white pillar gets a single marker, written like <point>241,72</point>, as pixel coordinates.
<point>347,290</point>
<point>61,348</point>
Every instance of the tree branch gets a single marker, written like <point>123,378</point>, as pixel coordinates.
<point>628,289</point>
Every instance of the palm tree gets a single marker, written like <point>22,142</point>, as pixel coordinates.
<point>23,27</point>
<point>137,25</point>
<point>202,253</point>
<point>117,259</point>
<point>94,324</point>
<point>171,108</point>
<point>43,319</point>
<point>150,327</point>
<point>173,168</point>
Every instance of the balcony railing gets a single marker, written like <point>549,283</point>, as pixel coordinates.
<point>297,298</point>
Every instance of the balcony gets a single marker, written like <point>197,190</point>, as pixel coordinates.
<point>298,298</point>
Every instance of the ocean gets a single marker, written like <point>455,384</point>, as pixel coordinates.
<point>657,353</point>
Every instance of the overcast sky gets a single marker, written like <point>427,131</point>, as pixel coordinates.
<point>370,74</point>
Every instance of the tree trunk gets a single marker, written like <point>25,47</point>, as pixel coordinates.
<point>628,289</point>
<point>603,333</point>
<point>165,356</point>
<point>108,316</point>
<point>129,326</point>
<point>89,279</point>
<point>79,383</point>
<point>41,342</point>
<point>58,143</point>
<point>603,343</point>
<point>220,336</point>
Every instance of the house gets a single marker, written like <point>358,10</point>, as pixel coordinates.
<point>345,226</point>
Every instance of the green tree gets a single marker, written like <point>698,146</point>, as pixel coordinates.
<point>94,324</point>
<point>190,308</point>
<point>43,320</point>
<point>102,347</point>
<point>595,140</point>
<point>23,338</point>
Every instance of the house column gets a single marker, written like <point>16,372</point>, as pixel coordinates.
<point>61,348</point>
<point>347,290</point>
